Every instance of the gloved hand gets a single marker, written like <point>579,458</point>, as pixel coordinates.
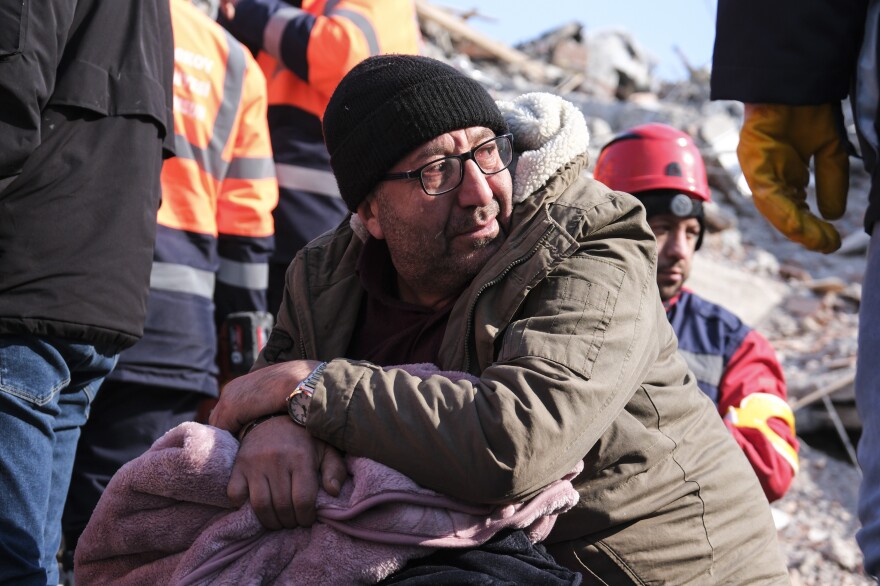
<point>775,147</point>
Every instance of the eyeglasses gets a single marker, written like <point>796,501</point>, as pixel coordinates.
<point>443,175</point>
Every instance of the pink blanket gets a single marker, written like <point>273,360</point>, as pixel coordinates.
<point>165,519</point>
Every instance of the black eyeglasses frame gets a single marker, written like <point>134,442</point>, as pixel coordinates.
<point>463,158</point>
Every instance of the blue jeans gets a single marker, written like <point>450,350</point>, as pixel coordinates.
<point>46,388</point>
<point>868,403</point>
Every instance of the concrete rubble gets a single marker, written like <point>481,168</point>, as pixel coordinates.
<point>805,303</point>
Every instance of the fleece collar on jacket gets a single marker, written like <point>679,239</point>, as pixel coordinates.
<point>548,133</point>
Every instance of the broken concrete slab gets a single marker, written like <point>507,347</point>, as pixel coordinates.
<point>751,297</point>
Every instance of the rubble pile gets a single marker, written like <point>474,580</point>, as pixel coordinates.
<point>816,522</point>
<point>805,303</point>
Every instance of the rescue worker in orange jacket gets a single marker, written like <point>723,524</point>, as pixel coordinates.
<point>734,365</point>
<point>305,48</point>
<point>214,238</point>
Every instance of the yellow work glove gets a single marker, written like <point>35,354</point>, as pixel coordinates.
<point>775,147</point>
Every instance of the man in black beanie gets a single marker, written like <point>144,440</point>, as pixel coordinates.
<point>540,283</point>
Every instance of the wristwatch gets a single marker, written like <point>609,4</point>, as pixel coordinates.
<point>298,401</point>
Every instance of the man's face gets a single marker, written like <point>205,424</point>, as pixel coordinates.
<point>439,243</point>
<point>676,244</point>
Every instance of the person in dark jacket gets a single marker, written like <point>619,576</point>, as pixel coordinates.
<point>791,67</point>
<point>84,125</point>
<point>734,365</point>
<point>213,242</point>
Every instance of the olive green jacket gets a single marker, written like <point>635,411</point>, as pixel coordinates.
<point>576,359</point>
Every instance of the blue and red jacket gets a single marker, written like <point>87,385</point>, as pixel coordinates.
<point>215,229</point>
<point>737,368</point>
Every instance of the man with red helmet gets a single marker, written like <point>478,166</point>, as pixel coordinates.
<point>733,364</point>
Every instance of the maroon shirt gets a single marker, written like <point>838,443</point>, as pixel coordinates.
<point>390,331</point>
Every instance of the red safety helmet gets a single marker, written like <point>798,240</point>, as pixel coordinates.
<point>662,167</point>
<point>653,157</point>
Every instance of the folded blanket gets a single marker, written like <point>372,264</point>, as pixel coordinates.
<point>165,519</point>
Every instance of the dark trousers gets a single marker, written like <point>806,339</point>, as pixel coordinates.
<point>125,420</point>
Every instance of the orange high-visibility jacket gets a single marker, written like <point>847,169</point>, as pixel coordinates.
<point>304,49</point>
<point>215,229</point>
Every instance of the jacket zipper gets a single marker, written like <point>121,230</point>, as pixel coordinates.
<point>493,282</point>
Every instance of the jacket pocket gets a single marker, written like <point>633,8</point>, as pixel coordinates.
<point>279,348</point>
<point>566,317</point>
<point>13,18</point>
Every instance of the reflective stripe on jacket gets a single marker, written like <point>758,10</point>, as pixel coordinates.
<point>304,52</point>
<point>737,368</point>
<point>215,223</point>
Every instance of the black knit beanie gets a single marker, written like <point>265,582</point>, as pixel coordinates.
<point>388,105</point>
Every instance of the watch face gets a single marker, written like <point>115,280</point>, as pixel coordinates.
<point>297,408</point>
